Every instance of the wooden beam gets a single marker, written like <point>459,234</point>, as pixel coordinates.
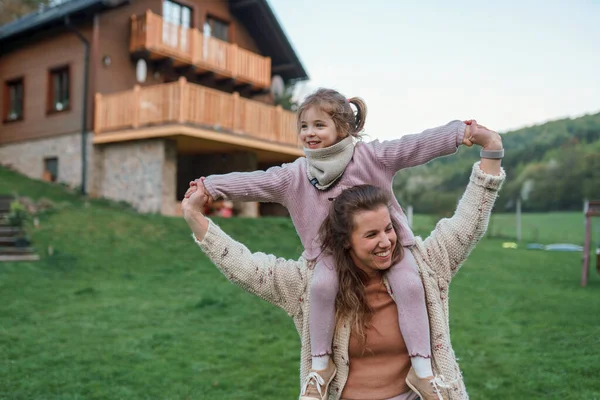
<point>259,91</point>
<point>165,64</point>
<point>140,54</point>
<point>186,70</point>
<point>241,86</point>
<point>205,75</point>
<point>226,81</point>
<point>200,133</point>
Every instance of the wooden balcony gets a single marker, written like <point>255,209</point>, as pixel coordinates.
<point>189,47</point>
<point>186,109</point>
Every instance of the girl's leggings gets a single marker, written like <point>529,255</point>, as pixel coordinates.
<point>407,287</point>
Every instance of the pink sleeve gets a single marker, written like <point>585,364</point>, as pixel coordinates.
<point>268,186</point>
<point>420,148</point>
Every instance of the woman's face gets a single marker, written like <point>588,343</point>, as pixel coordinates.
<point>373,240</point>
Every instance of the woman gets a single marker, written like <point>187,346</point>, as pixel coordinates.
<point>363,247</point>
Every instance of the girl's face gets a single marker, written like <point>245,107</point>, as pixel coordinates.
<point>373,240</point>
<point>317,129</point>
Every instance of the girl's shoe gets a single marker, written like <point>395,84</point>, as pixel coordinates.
<point>429,388</point>
<point>316,385</point>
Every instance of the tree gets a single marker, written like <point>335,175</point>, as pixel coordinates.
<point>287,100</point>
<point>13,9</point>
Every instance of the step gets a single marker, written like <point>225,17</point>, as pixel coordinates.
<point>7,241</point>
<point>19,257</point>
<point>8,231</point>
<point>5,250</point>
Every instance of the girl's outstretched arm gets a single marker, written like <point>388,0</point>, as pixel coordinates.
<point>420,148</point>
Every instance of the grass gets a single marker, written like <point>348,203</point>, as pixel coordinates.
<point>127,307</point>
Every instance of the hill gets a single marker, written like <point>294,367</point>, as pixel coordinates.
<point>553,166</point>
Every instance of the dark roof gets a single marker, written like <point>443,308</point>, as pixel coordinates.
<point>54,16</point>
<point>272,41</point>
<point>256,15</point>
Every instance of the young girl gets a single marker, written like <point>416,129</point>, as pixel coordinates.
<point>334,161</point>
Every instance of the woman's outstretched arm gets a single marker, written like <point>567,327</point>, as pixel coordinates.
<point>454,238</point>
<point>276,280</point>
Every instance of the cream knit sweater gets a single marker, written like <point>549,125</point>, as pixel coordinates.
<point>285,283</point>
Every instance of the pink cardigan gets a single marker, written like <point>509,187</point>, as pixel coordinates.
<point>373,163</point>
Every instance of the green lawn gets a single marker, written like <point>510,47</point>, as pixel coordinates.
<point>128,308</point>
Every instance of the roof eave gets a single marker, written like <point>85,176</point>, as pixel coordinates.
<point>277,46</point>
<point>46,19</point>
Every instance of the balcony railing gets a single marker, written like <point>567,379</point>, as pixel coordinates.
<point>189,46</point>
<point>184,102</point>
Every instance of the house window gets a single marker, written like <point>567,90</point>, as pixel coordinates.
<point>50,169</point>
<point>59,97</point>
<point>216,28</point>
<point>13,100</point>
<point>178,19</point>
<point>177,14</point>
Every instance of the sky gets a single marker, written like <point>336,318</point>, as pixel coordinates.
<point>420,64</point>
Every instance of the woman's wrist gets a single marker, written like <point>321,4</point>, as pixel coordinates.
<point>494,144</point>
<point>197,222</point>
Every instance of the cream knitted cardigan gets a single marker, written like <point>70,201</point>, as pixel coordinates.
<point>284,283</point>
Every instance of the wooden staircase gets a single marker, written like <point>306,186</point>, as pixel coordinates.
<point>9,249</point>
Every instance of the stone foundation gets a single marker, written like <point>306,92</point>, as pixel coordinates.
<point>28,157</point>
<point>141,173</point>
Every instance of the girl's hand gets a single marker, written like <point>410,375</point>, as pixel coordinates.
<point>192,208</point>
<point>198,184</point>
<point>482,136</point>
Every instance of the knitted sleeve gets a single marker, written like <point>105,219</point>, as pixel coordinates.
<point>268,186</point>
<point>280,282</point>
<point>420,148</point>
<point>453,239</point>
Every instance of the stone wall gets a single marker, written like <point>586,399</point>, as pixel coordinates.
<point>28,157</point>
<point>141,173</point>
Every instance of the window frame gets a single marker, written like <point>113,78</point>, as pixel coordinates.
<point>208,17</point>
<point>183,5</point>
<point>47,174</point>
<point>20,80</point>
<point>51,105</point>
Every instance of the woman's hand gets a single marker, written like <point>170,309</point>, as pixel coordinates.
<point>198,184</point>
<point>482,136</point>
<point>192,207</point>
<point>489,140</point>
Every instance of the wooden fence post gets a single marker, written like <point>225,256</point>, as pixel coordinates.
<point>149,39</point>
<point>182,84</point>
<point>136,106</point>
<point>232,62</point>
<point>237,121</point>
<point>98,114</point>
<point>267,74</point>
<point>279,134</point>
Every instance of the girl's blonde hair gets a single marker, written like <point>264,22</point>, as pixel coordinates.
<point>338,108</point>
